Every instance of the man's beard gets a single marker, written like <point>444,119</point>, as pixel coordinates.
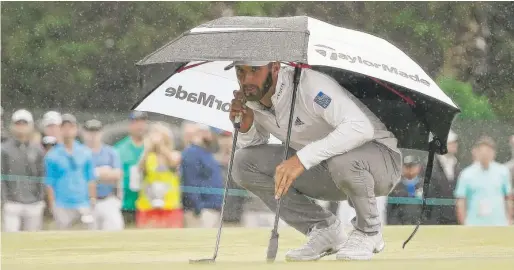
<point>259,91</point>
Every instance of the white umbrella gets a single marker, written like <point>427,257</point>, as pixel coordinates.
<point>186,77</point>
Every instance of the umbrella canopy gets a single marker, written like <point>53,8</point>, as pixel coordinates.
<point>384,78</point>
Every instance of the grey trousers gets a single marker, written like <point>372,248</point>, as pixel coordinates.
<point>359,175</point>
<point>65,217</point>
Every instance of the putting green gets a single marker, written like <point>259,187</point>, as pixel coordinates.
<point>448,247</point>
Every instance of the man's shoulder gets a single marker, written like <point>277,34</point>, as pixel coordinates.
<point>37,148</point>
<point>123,145</point>
<point>469,171</point>
<point>7,145</point>
<point>53,154</point>
<point>190,151</point>
<point>319,88</point>
<point>109,149</point>
<point>502,168</point>
<point>83,150</point>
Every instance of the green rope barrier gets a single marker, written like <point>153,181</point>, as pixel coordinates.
<point>244,193</point>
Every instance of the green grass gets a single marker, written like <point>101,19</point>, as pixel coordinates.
<point>433,248</point>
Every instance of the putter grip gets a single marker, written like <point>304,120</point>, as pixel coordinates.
<point>237,121</point>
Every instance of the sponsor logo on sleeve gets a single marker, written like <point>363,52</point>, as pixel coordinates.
<point>322,100</point>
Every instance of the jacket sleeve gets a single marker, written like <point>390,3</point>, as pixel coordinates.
<point>5,172</point>
<point>51,172</point>
<point>40,165</point>
<point>190,179</point>
<point>256,135</point>
<point>325,98</point>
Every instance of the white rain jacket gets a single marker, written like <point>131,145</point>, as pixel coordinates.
<point>328,120</point>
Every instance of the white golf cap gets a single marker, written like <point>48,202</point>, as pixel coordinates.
<point>247,63</point>
<point>22,115</point>
<point>52,118</point>
<point>452,137</point>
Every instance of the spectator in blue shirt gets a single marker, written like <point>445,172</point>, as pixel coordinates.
<point>70,178</point>
<point>483,189</point>
<point>199,168</point>
<point>107,209</point>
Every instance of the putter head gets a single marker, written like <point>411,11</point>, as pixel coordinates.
<point>202,261</point>
<point>272,247</point>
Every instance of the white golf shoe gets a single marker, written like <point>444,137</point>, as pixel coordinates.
<point>361,246</point>
<point>322,242</point>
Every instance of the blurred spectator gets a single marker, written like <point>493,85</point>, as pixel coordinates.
<point>234,204</point>
<point>130,149</point>
<point>159,204</point>
<point>51,124</point>
<point>189,129</point>
<point>444,175</point>
<point>411,186</point>
<point>3,134</point>
<point>48,143</point>
<point>200,169</point>
<point>107,164</point>
<point>483,189</point>
<point>35,138</point>
<point>510,163</point>
<point>70,178</point>
<point>22,168</point>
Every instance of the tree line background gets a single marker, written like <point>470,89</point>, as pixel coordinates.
<point>82,55</point>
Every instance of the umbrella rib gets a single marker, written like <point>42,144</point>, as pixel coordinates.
<point>245,31</point>
<point>404,97</point>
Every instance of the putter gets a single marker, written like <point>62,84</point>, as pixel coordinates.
<point>237,125</point>
<point>273,241</point>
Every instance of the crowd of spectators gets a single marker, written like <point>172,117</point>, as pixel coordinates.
<point>65,170</point>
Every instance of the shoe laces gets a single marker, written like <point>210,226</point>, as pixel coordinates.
<point>356,239</point>
<point>313,236</point>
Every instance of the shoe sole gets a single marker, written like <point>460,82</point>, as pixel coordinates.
<point>361,258</point>
<point>314,258</point>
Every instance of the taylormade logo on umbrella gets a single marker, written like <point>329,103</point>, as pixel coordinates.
<point>198,98</point>
<point>333,55</point>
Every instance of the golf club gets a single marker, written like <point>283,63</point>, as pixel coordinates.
<point>237,124</point>
<point>273,241</point>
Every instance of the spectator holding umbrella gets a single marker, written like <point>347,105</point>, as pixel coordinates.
<point>22,166</point>
<point>483,189</point>
<point>70,178</point>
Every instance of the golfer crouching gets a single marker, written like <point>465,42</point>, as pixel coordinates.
<point>342,151</point>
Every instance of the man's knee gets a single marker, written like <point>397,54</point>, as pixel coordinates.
<point>247,163</point>
<point>349,173</point>
<point>241,166</point>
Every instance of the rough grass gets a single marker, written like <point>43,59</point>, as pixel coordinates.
<point>432,248</point>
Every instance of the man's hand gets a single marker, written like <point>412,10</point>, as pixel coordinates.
<point>237,107</point>
<point>286,173</point>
